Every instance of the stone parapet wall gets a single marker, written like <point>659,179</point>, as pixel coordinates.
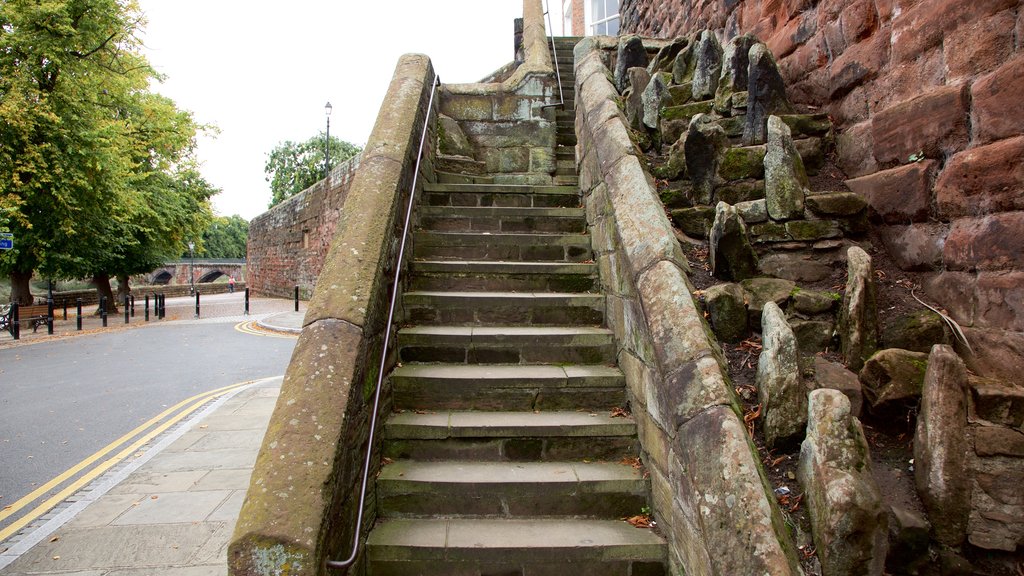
<point>303,498</point>
<point>923,94</point>
<point>287,244</point>
<point>710,495</point>
<point>140,291</point>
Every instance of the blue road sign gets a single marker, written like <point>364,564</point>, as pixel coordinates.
<point>6,241</point>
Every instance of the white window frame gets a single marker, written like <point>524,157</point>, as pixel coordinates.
<point>588,16</point>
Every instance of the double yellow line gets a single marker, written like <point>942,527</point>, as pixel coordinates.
<point>196,401</point>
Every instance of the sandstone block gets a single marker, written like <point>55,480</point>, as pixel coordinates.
<point>855,150</point>
<point>925,24</point>
<point>813,336</point>
<point>848,518</point>
<point>760,291</point>
<point>731,255</point>
<point>998,441</point>
<point>666,56</point>
<point>708,66</point>
<point>785,178</point>
<point>812,302</point>
<point>956,293</point>
<point>908,541</point>
<point>638,81</point>
<point>917,247</point>
<point>683,64</point>
<point>655,97</point>
<point>704,145</point>
<point>916,331</point>
<point>780,388</point>
<point>630,54</point>
<point>833,376</point>
<point>893,375</point>
<point>794,266</point>
<point>1001,300</point>
<point>997,512</point>
<point>644,231</point>
<point>694,222</point>
<point>742,162</point>
<point>858,316</point>
<point>766,94</point>
<point>940,445</point>
<point>900,195</point>
<point>727,312</point>
<point>934,123</point>
<point>735,62</point>
<point>858,64</point>
<point>993,242</point>
<point>998,401</point>
<point>752,211</point>
<point>979,46</point>
<point>982,180</point>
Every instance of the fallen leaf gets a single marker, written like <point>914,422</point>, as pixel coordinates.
<point>56,557</point>
<point>634,462</point>
<point>153,497</point>
<point>639,521</point>
<point>619,412</point>
<point>203,426</point>
<point>55,538</point>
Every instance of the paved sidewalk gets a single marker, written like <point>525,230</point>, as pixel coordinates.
<point>170,511</point>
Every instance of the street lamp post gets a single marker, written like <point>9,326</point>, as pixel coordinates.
<point>191,268</point>
<point>327,142</point>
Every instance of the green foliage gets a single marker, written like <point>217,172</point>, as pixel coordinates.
<point>294,166</point>
<point>96,171</point>
<point>225,237</point>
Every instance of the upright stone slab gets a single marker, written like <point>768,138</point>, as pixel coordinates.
<point>785,180</point>
<point>732,257</point>
<point>940,446</point>
<point>654,98</point>
<point>451,139</point>
<point>682,66</point>
<point>638,81</point>
<point>780,390</point>
<point>848,518</point>
<point>735,64</point>
<point>727,312</point>
<point>704,146</point>
<point>892,376</point>
<point>766,94</point>
<point>708,66</point>
<point>666,57</point>
<point>834,376</point>
<point>858,317</point>
<point>631,53</point>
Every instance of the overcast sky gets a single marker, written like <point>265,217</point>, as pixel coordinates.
<point>262,72</point>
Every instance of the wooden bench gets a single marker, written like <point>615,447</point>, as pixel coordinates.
<point>35,314</point>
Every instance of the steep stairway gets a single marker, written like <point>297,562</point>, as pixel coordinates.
<point>505,454</point>
<point>565,117</point>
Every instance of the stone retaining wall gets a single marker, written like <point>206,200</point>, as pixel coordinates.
<point>710,494</point>
<point>287,244</point>
<point>302,502</point>
<point>91,297</point>
<point>923,92</point>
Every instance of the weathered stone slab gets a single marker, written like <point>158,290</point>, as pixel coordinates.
<point>893,375</point>
<point>731,255</point>
<point>848,518</point>
<point>835,376</point>
<point>735,64</point>
<point>940,446</point>
<point>727,311</point>
<point>858,317</point>
<point>760,291</point>
<point>666,56</point>
<point>704,145</point>
<point>638,81</point>
<point>708,66</point>
<point>785,178</point>
<point>451,139</point>
<point>630,54</point>
<point>766,94</point>
<point>780,388</point>
<point>813,336</point>
<point>900,195</point>
<point>655,97</point>
<point>916,331</point>
<point>908,541</point>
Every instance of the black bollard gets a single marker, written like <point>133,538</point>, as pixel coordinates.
<point>103,310</point>
<point>49,312</point>
<point>296,298</point>
<point>15,322</point>
<point>146,308</point>
<point>127,311</point>
<point>64,301</point>
<point>197,303</point>
<point>246,301</point>
<point>132,298</point>
<point>163,306</point>
<point>78,318</point>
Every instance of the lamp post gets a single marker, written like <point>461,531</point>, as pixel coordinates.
<point>191,268</point>
<point>327,142</point>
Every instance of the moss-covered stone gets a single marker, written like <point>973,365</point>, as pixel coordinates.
<point>686,111</point>
<point>742,163</point>
<point>836,203</point>
<point>758,291</point>
<point>732,125</point>
<point>917,331</point>
<point>769,232</point>
<point>808,230</point>
<point>804,125</point>
<point>727,311</point>
<point>694,221</point>
<point>740,191</point>
<point>676,195</point>
<point>813,302</point>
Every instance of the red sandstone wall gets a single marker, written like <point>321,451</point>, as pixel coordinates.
<point>902,77</point>
<point>288,243</point>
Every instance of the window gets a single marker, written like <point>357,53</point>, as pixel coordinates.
<point>604,17</point>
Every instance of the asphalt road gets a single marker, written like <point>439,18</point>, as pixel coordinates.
<point>62,400</point>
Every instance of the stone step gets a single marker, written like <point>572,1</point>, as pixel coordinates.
<point>506,344</point>
<point>453,178</point>
<point>506,195</point>
<point>411,488</point>
<point>565,139</point>
<point>501,246</point>
<point>544,387</point>
<point>491,308</point>
<point>467,275</point>
<point>567,180</point>
<point>453,547</point>
<point>502,218</point>
<point>509,436</point>
<point>565,152</point>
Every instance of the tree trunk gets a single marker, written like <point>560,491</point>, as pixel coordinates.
<point>123,289</point>
<point>20,291</point>
<point>102,283</point>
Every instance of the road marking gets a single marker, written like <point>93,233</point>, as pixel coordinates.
<point>253,327</point>
<point>198,401</point>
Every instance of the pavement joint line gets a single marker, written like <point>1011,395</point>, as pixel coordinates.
<point>108,481</point>
<point>71,472</point>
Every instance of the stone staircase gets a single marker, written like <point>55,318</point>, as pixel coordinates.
<point>503,456</point>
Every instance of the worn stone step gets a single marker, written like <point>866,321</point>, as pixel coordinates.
<point>490,308</point>
<point>436,194</point>
<point>412,488</point>
<point>453,178</point>
<point>510,436</point>
<point>565,152</point>
<point>460,547</point>
<point>501,246</point>
<point>506,344</point>
<point>502,218</point>
<point>565,139</point>
<point>505,387</point>
<point>485,275</point>
<point>567,180</point>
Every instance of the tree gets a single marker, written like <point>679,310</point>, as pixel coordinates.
<point>96,172</point>
<point>294,166</point>
<point>225,237</point>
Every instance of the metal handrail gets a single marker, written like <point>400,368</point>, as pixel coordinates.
<point>554,54</point>
<point>387,339</point>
